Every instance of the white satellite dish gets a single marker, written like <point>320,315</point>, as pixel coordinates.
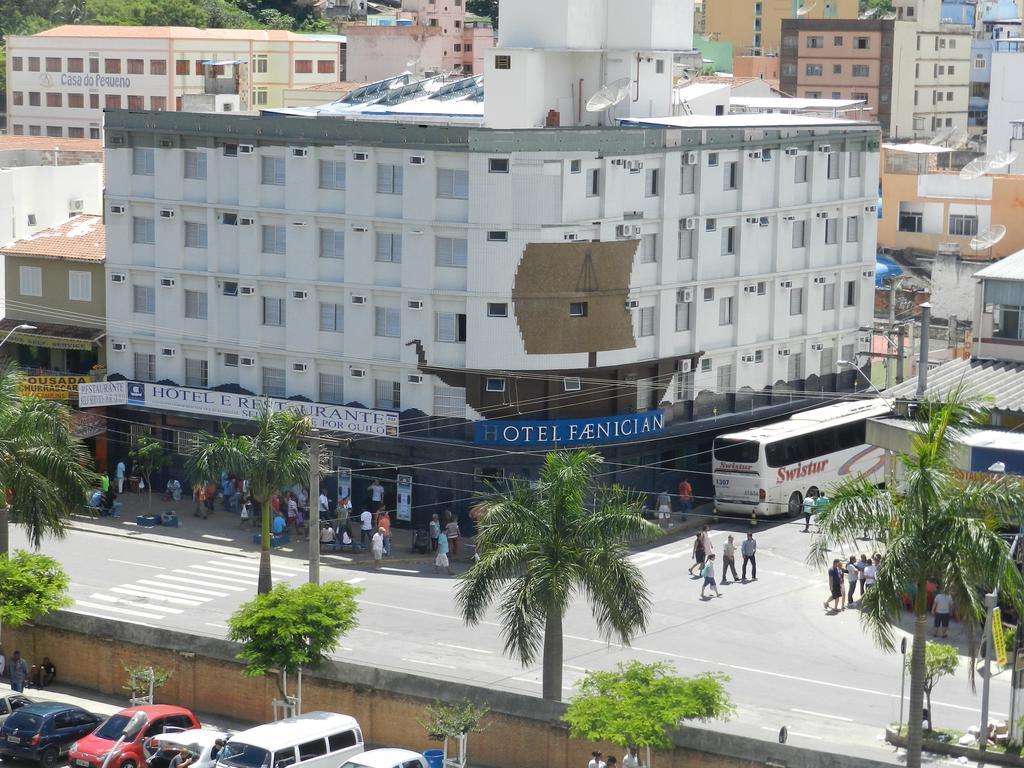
<point>988,238</point>
<point>974,169</point>
<point>1000,160</point>
<point>958,138</point>
<point>941,136</point>
<point>803,10</point>
<point>609,95</point>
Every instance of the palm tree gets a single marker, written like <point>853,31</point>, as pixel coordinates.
<point>270,459</point>
<point>45,472</point>
<point>541,548</point>
<point>936,526</point>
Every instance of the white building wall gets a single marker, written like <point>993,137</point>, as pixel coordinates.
<point>1006,101</point>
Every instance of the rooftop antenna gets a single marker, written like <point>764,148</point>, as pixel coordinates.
<point>976,168</point>
<point>607,96</point>
<point>803,10</point>
<point>988,238</point>
<point>941,136</point>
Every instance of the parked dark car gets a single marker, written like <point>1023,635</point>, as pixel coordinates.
<point>45,732</point>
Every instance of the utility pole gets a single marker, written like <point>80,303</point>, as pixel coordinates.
<point>314,507</point>
<point>901,335</point>
<point>888,332</point>
<point>922,358</point>
<point>986,675</point>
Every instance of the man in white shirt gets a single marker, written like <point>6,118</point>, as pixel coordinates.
<point>376,492</point>
<point>365,526</point>
<point>325,505</point>
<point>942,608</point>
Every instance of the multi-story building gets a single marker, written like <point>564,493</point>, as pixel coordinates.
<point>60,81</point>
<point>428,37</point>
<point>755,28</point>
<point>618,284</point>
<point>998,20</point>
<point>1006,102</point>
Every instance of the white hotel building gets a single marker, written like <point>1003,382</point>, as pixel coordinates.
<point>60,81</point>
<point>695,270</point>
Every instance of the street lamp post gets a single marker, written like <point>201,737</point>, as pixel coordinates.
<point>990,604</point>
<point>15,329</point>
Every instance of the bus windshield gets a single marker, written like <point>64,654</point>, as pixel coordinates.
<point>736,451</point>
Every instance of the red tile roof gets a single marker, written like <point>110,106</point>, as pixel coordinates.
<point>47,142</point>
<point>78,239</point>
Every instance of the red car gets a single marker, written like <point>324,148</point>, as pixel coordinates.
<point>91,751</point>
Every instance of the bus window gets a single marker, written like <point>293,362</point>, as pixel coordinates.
<point>850,436</point>
<point>736,451</point>
<point>824,442</point>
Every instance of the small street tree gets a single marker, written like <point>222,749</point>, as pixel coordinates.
<point>940,660</point>
<point>454,721</point>
<point>148,456</point>
<point>288,629</point>
<point>639,705</point>
<point>31,585</point>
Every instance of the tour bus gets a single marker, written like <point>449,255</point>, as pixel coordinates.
<point>769,469</point>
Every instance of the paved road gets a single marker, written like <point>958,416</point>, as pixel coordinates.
<point>789,663</point>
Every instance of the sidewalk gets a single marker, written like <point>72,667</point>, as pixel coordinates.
<point>224,533</point>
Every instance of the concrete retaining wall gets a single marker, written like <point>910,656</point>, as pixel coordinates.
<point>524,731</point>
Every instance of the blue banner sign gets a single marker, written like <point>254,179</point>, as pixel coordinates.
<point>570,432</point>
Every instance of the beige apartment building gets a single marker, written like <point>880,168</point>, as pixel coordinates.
<point>756,27</point>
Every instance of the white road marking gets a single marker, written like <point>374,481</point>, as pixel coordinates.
<point>578,669</point>
<point>465,648</point>
<point>139,565</point>
<point>205,572</point>
<point>356,580</point>
<point>115,609</point>
<point>180,587</point>
<point>211,537</point>
<point>822,714</point>
<point>430,663</point>
<point>336,557</point>
<point>184,580</point>
<point>538,682</point>
<point>371,631</point>
<point>154,595</point>
<point>398,570</point>
<point>253,566</point>
<point>218,626</point>
<point>422,612</point>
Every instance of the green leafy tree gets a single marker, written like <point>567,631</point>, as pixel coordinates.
<point>940,660</point>
<point>270,459</point>
<point>287,629</point>
<point>148,456</point>
<point>44,470</point>
<point>454,721</point>
<point>639,705</point>
<point>541,549</point>
<point>485,8</point>
<point>31,586</point>
<point>936,527</point>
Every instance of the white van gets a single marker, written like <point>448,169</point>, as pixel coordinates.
<point>312,740</point>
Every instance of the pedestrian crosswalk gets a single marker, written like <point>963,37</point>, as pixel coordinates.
<point>164,592</point>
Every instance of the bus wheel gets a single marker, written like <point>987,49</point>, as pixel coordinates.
<point>796,502</point>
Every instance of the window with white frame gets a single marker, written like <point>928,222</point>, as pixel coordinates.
<point>451,251</point>
<point>387,394</point>
<point>144,299</point>
<point>688,175</point>
<point>387,322</point>
<point>800,169</point>
<point>645,321</point>
<point>726,379</point>
<point>274,238</point>
<point>728,241</point>
<point>963,225</point>
<point>453,184</point>
<point>142,161</point>
<point>497,309</point>
<point>855,159</point>
<point>833,165</point>
<point>389,179</point>
<point>651,182</point>
<point>852,229</point>
<point>274,382</point>
<point>195,234</point>
<point>648,248</point>
<point>195,304</point>
<point>725,310</point>
<point>683,310</point>
<point>685,242</point>
<point>30,281</point>
<point>332,243</point>
<point>332,174</point>
<point>272,171</point>
<point>799,236</point>
<point>795,366</point>
<point>332,317</point>
<point>195,164</point>
<point>449,326</point>
<point>450,402</point>
<point>332,388</point>
<point>79,285</point>
<point>593,182</point>
<point>389,247</point>
<point>143,230</point>
<point>197,372</point>
<point>827,360</point>
<point>274,311</point>
<point>731,175</point>
<point>145,367</point>
<point>850,294</point>
<point>828,296</point>
<point>831,231</point>
<point>186,442</point>
<point>796,301</point>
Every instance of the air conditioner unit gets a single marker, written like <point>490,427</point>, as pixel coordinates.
<point>247,362</point>
<point>763,221</point>
<point>751,219</point>
<point>357,228</point>
<point>817,347</point>
<point>684,295</point>
<point>864,339</point>
<point>825,148</point>
<point>868,273</point>
<point>414,378</point>
<point>247,290</point>
<point>685,366</point>
<point>415,303</point>
<point>870,208</point>
<point>358,373</point>
<point>819,280</point>
<point>167,143</point>
<point>746,358</point>
<point>792,151</point>
<point>298,223</point>
<point>570,236</point>
<point>752,288</point>
<point>690,223</point>
<point>245,221</point>
<point>299,367</point>
<point>635,166</point>
<point>166,213</point>
<point>117,140</point>
<point>118,346</point>
<point>691,158</point>
<point>417,160</point>
<point>360,157</point>
<point>755,155</point>
<point>300,295</point>
<point>118,277</point>
<point>358,299</point>
<point>822,214</point>
<point>623,230</point>
<point>789,218</point>
<point>166,282</point>
<point>117,209</point>
<point>618,161</point>
<point>632,304</point>
<point>300,152</point>
<point>787,284</point>
<point>76,205</point>
<point>246,149</point>
<point>167,351</point>
<point>784,352</point>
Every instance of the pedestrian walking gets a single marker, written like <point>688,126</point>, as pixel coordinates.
<point>384,523</point>
<point>596,761</point>
<point>17,671</point>
<point>377,547</point>
<point>685,505</point>
<point>808,506</point>
<point>452,532</point>
<point>699,554</point>
<point>942,609</point>
<point>324,504</point>
<point>612,762</point>
<point>821,503</point>
<point>664,507</point>
<point>376,492</point>
<point>729,559</point>
<point>365,526</point>
<point>835,585</point>
<point>870,572</point>
<point>199,496</point>
<point>631,759</point>
<point>435,531</point>
<point>708,572</point>
<point>852,577</point>
<point>120,473</point>
<point>441,559</point>
<point>749,550</point>
<point>709,546</point>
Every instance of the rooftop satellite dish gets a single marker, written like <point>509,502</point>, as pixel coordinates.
<point>941,136</point>
<point>988,238</point>
<point>803,10</point>
<point>974,169</point>
<point>609,95</point>
<point>1000,160</point>
<point>958,138</point>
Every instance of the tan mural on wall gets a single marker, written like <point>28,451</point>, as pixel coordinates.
<point>571,297</point>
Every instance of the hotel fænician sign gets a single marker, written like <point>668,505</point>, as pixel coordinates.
<point>332,418</point>
<point>569,432</point>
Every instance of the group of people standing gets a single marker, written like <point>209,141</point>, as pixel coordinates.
<point>856,572</point>
<point>704,560</point>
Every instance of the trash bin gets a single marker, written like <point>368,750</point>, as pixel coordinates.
<point>434,758</point>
